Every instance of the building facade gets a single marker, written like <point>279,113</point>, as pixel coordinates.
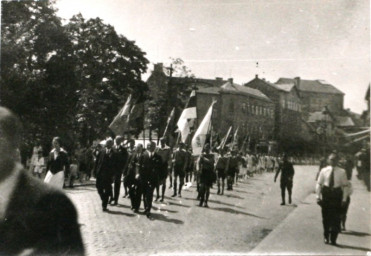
<point>287,110</point>
<point>247,109</point>
<point>316,94</point>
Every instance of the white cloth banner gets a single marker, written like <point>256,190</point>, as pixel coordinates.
<point>199,138</point>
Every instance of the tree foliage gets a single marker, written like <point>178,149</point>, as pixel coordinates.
<point>66,81</point>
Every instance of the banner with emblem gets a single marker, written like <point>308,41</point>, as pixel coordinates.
<point>203,130</point>
<point>188,116</point>
<point>120,123</point>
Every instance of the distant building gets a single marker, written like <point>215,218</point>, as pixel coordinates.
<point>366,114</point>
<point>316,94</point>
<point>288,108</point>
<point>241,107</point>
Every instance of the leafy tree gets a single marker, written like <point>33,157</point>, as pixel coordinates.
<point>66,81</point>
<point>32,42</point>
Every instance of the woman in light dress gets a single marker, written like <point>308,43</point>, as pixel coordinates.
<point>57,165</point>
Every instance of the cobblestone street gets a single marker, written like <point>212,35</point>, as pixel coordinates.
<point>234,222</point>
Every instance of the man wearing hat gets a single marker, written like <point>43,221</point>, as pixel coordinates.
<point>332,193</point>
<point>179,167</point>
<point>164,152</point>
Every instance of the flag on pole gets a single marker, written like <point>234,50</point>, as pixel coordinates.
<point>225,139</point>
<point>203,130</point>
<point>170,118</point>
<point>136,115</point>
<point>120,123</point>
<point>188,116</point>
<point>235,137</point>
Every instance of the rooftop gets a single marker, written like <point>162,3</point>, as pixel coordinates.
<point>319,86</point>
<point>231,87</point>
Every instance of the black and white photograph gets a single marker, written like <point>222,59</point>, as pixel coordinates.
<point>185,127</point>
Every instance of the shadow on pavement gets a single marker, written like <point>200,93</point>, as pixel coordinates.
<point>161,217</point>
<point>217,202</point>
<point>354,233</point>
<point>241,191</point>
<point>163,210</point>
<point>343,246</point>
<point>181,205</point>
<point>229,210</point>
<point>120,213</point>
<point>123,206</point>
<point>233,196</point>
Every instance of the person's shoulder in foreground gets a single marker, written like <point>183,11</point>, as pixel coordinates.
<point>35,219</point>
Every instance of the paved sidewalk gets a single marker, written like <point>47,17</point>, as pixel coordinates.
<point>301,232</point>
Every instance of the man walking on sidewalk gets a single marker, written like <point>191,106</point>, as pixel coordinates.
<point>331,196</point>
<point>287,176</point>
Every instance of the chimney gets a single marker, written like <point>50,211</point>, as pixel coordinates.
<point>159,67</point>
<point>256,76</point>
<point>297,82</point>
<point>219,79</point>
<point>230,80</point>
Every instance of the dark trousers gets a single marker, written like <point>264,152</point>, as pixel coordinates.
<point>286,185</point>
<point>126,184</point>
<point>220,177</point>
<point>116,187</point>
<point>344,211</point>
<point>204,193</point>
<point>135,192</point>
<point>230,180</point>
<point>148,189</point>
<point>104,190</point>
<point>331,212</point>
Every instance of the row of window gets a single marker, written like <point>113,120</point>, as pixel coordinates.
<point>290,105</point>
<point>257,110</point>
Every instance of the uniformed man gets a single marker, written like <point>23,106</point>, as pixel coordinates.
<point>232,168</point>
<point>287,175</point>
<point>148,174</point>
<point>206,166</point>
<point>221,168</point>
<point>121,158</point>
<point>179,168</point>
<point>332,193</point>
<point>164,152</point>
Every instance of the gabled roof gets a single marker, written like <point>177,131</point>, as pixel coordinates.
<point>340,121</point>
<point>285,87</point>
<point>319,86</point>
<point>238,89</point>
<point>319,116</point>
<point>235,89</point>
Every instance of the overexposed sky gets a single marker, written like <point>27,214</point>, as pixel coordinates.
<point>313,39</point>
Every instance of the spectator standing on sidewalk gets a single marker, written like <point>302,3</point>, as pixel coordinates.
<point>332,195</point>
<point>58,165</point>
<point>287,175</point>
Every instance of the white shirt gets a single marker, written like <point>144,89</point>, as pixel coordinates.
<point>7,187</point>
<point>340,180</point>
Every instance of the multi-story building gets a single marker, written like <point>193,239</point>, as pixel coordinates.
<point>241,107</point>
<point>316,94</point>
<point>287,102</point>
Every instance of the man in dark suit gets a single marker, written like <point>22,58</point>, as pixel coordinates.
<point>104,172</point>
<point>35,219</point>
<point>121,157</point>
<point>287,175</point>
<point>180,158</point>
<point>148,172</point>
